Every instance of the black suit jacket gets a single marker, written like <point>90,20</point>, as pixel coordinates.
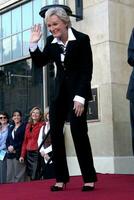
<point>78,64</point>
<point>130,91</point>
<point>17,141</point>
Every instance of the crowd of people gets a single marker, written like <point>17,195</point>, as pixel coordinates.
<point>20,158</point>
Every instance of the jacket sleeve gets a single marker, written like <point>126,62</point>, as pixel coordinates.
<point>41,58</point>
<point>19,140</point>
<point>3,141</point>
<point>24,145</point>
<point>85,72</point>
<point>8,141</point>
<point>9,136</point>
<point>131,49</point>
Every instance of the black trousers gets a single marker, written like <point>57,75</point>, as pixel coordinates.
<point>48,171</point>
<point>132,122</point>
<point>59,110</point>
<point>3,170</point>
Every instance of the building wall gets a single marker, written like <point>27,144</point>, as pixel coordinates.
<point>109,24</point>
<point>120,27</point>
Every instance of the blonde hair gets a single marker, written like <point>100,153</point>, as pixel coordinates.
<point>59,12</point>
<point>41,114</point>
<point>46,112</point>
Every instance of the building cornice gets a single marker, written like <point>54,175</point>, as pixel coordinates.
<point>10,3</point>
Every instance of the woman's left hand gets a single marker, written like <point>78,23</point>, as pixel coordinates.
<point>42,153</point>
<point>79,108</point>
<point>46,156</point>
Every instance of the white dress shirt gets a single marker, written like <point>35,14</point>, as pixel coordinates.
<point>42,149</point>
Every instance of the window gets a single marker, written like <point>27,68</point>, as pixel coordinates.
<point>0,28</point>
<point>36,8</point>
<point>0,52</point>
<point>6,49</point>
<point>15,26</point>
<point>21,87</point>
<point>16,46</point>
<point>16,20</point>
<point>26,36</point>
<point>27,16</point>
<point>6,24</point>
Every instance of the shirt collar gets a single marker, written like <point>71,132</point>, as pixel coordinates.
<point>71,37</point>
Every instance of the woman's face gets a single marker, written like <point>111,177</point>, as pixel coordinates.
<point>16,117</point>
<point>3,119</point>
<point>36,115</point>
<point>56,26</point>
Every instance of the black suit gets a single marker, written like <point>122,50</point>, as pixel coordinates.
<point>130,91</point>
<point>73,78</point>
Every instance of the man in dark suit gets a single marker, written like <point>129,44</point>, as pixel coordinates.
<point>130,91</point>
<point>71,54</point>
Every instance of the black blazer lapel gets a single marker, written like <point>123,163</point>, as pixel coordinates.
<point>70,49</point>
<point>56,51</point>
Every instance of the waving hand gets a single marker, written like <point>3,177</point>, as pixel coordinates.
<point>35,33</point>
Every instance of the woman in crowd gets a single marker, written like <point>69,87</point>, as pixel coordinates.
<point>16,171</point>
<point>30,146</point>
<point>46,148</point>
<point>3,136</point>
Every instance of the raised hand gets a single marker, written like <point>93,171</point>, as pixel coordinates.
<point>35,33</point>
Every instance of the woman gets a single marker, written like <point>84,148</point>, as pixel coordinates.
<point>46,148</point>
<point>29,150</point>
<point>16,171</point>
<point>3,136</point>
<point>71,54</point>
